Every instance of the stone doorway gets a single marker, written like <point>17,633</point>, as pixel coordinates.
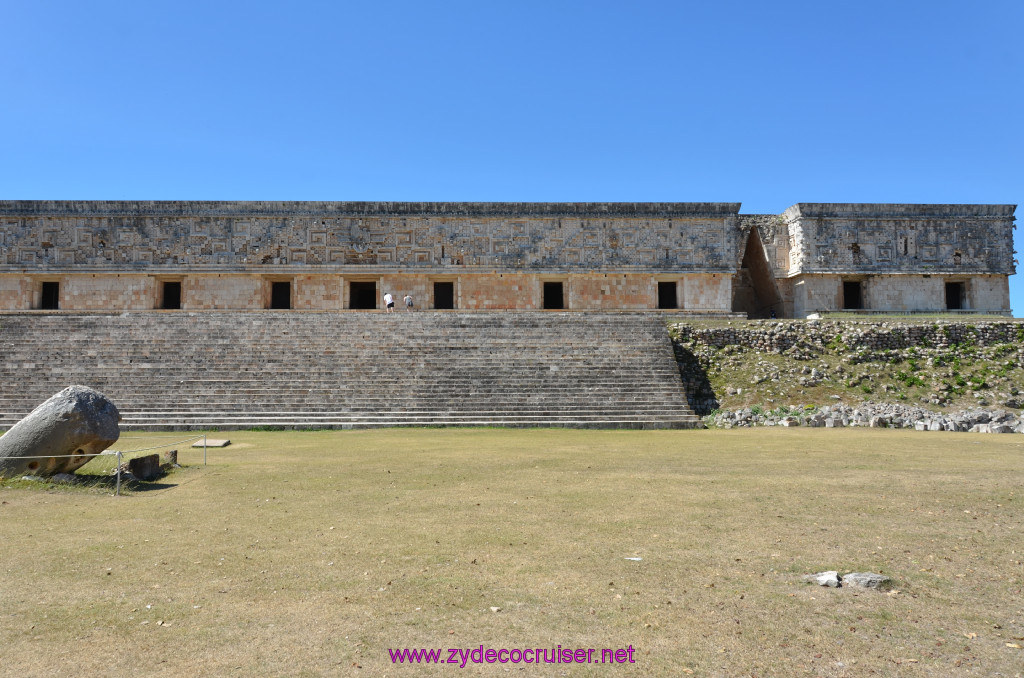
<point>444,295</point>
<point>171,296</point>
<point>51,296</point>
<point>553,298</point>
<point>955,296</point>
<point>853,294</point>
<point>667,297</point>
<point>281,295</point>
<point>362,295</point>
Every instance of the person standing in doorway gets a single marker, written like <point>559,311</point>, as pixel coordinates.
<point>408,302</point>
<point>389,302</point>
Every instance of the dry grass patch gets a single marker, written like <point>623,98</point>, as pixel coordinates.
<point>312,553</point>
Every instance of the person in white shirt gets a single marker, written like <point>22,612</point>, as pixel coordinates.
<point>389,302</point>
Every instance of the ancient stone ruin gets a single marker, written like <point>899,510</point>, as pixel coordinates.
<point>685,257</point>
<point>61,435</point>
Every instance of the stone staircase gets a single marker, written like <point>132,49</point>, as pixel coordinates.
<point>294,369</point>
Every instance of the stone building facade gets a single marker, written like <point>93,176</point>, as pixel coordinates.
<point>692,257</point>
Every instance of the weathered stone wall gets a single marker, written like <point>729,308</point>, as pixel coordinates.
<point>562,236</point>
<point>886,238</point>
<point>16,292</point>
<point>822,293</point>
<point>222,292</point>
<point>227,255</point>
<point>474,291</point>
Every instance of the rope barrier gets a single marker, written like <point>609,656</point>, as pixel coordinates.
<point>120,455</point>
<point>157,447</point>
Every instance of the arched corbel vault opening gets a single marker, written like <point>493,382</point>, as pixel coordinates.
<point>754,291</point>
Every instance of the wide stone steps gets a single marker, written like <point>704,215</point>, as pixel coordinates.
<point>350,370</point>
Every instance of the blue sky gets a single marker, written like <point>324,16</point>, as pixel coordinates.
<point>767,104</point>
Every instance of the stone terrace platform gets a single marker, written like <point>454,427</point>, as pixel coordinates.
<point>203,370</point>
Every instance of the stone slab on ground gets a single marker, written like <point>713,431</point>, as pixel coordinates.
<point>210,442</point>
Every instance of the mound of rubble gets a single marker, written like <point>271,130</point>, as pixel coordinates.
<point>874,415</point>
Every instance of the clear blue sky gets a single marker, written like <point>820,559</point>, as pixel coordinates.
<point>763,103</point>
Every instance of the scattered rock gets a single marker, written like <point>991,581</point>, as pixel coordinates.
<point>65,478</point>
<point>864,580</point>
<point>977,420</point>
<point>867,580</point>
<point>830,578</point>
<point>145,468</point>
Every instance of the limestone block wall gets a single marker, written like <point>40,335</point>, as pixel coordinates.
<point>613,291</point>
<point>710,292</point>
<point>227,255</point>
<point>16,292</point>
<point>989,292</point>
<point>504,291</point>
<point>815,293</point>
<point>223,291</point>
<point>317,292</point>
<point>905,293</point>
<point>61,235</point>
<point>891,238</point>
<point>102,292</point>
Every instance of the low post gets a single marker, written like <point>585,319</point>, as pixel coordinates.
<point>117,490</point>
<point>204,449</point>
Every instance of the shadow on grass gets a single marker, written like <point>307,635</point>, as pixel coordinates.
<point>85,482</point>
<point>110,483</point>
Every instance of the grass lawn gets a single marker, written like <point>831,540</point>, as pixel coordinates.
<point>312,553</point>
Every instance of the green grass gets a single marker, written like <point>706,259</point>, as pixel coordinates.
<point>312,553</point>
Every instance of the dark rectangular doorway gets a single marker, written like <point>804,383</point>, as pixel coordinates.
<point>954,296</point>
<point>281,295</point>
<point>667,295</point>
<point>171,296</point>
<point>444,295</point>
<point>51,296</point>
<point>362,295</point>
<point>853,295</point>
<point>553,295</point>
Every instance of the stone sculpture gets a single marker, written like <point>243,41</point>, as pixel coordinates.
<point>79,422</point>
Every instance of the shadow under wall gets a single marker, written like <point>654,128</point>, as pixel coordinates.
<point>754,290</point>
<point>699,393</point>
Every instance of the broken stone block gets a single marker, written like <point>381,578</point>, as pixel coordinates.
<point>145,468</point>
<point>60,435</point>
<point>829,578</point>
<point>867,580</point>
